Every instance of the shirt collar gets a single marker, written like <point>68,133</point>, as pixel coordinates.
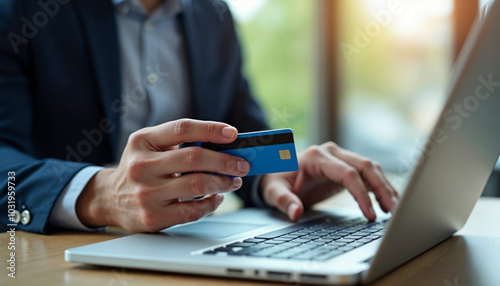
<point>117,2</point>
<point>177,4</point>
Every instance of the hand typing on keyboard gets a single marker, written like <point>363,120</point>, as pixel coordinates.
<point>324,171</point>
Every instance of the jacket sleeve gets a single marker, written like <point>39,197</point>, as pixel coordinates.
<point>37,181</point>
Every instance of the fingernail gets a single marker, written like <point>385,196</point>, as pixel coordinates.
<point>395,201</point>
<point>243,166</point>
<point>291,211</point>
<point>237,182</point>
<point>219,198</point>
<point>229,132</point>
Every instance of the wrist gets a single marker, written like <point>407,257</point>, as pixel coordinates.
<point>91,207</point>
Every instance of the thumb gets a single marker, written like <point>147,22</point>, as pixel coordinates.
<point>277,194</point>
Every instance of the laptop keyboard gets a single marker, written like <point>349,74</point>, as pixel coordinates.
<point>319,240</point>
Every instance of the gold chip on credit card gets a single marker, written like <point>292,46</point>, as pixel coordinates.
<point>285,155</point>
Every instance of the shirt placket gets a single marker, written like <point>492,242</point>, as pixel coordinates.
<point>150,66</point>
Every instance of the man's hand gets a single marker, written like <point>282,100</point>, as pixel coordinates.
<point>142,194</point>
<point>324,171</point>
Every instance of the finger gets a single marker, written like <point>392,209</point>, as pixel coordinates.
<point>161,137</point>
<point>194,210</point>
<point>201,160</point>
<point>277,194</point>
<point>340,172</point>
<point>182,212</point>
<point>372,173</point>
<point>394,191</point>
<point>378,185</point>
<point>196,185</point>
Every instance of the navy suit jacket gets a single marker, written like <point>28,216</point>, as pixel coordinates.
<point>60,90</point>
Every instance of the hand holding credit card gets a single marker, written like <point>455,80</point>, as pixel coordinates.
<point>270,151</point>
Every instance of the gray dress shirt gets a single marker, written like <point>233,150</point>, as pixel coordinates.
<point>154,84</point>
<point>154,69</point>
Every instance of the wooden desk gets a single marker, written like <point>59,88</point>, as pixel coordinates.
<point>472,257</point>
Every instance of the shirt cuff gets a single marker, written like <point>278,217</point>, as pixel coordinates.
<point>64,211</point>
<point>256,195</point>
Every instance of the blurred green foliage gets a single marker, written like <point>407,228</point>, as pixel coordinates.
<point>278,44</point>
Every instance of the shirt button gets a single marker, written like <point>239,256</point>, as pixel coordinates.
<point>149,26</point>
<point>152,78</point>
<point>125,9</point>
<point>25,217</point>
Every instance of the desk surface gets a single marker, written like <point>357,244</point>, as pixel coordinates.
<point>469,258</point>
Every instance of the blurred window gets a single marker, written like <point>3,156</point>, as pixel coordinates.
<point>395,60</point>
<point>277,40</point>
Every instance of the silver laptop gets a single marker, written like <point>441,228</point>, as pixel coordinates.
<point>337,247</point>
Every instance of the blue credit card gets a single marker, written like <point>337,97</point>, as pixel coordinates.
<point>267,152</point>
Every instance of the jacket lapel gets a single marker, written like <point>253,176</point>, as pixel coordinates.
<point>100,30</point>
<point>195,62</point>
